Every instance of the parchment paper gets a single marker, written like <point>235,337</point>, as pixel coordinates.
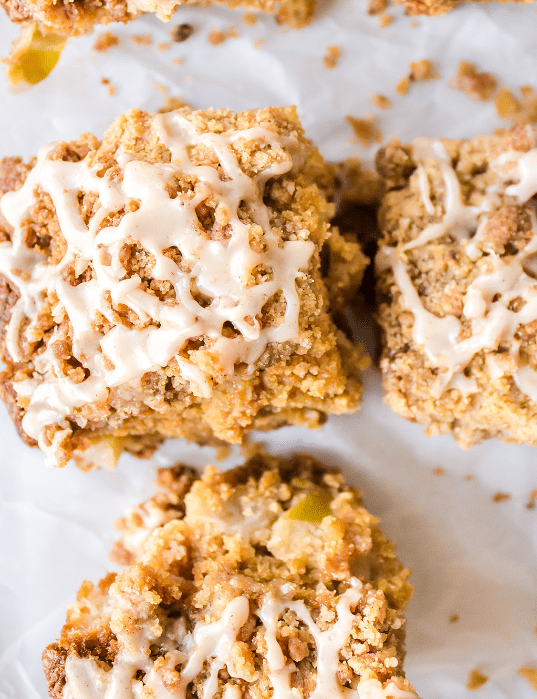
<point>470,556</point>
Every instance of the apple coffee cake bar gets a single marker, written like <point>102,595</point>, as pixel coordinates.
<point>168,282</point>
<point>457,277</point>
<point>270,580</point>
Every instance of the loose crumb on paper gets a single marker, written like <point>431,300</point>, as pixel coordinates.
<point>380,101</point>
<point>249,18</point>
<point>366,131</point>
<point>376,7</point>
<point>403,86</point>
<point>414,24</point>
<point>217,36</point>
<point>519,111</point>
<point>385,20</point>
<point>476,680</point>
<point>500,497</point>
<point>111,88</point>
<point>422,70</point>
<point>163,46</point>
<point>529,674</point>
<point>532,499</point>
<point>439,471</point>
<point>468,477</point>
<point>161,87</point>
<point>181,32</point>
<point>105,41</point>
<point>333,54</point>
<point>419,71</point>
<point>454,618</point>
<point>177,61</point>
<point>142,39</point>
<point>476,84</point>
<point>257,44</point>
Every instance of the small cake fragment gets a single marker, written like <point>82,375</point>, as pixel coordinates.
<point>477,84</point>
<point>270,580</point>
<point>105,41</point>
<point>366,131</point>
<point>530,675</point>
<point>167,281</point>
<point>457,280</point>
<point>332,56</point>
<point>476,679</point>
<point>518,111</point>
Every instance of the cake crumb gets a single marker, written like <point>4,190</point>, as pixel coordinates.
<point>376,7</point>
<point>468,477</point>
<point>500,497</point>
<point>454,618</point>
<point>333,54</point>
<point>477,85</point>
<point>257,43</point>
<point>366,131</point>
<point>111,88</point>
<point>403,86</point>
<point>105,41</point>
<point>141,39</point>
<point>414,24</point>
<point>177,61</point>
<point>385,20</point>
<point>422,70</point>
<point>161,87</point>
<point>380,101</point>
<point>163,46</point>
<point>439,471</point>
<point>529,674</point>
<point>249,18</point>
<point>532,499</point>
<point>476,680</point>
<point>217,36</point>
<point>519,111</point>
<point>181,32</point>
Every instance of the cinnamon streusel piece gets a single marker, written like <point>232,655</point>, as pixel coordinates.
<point>270,580</point>
<point>457,279</point>
<point>167,282</point>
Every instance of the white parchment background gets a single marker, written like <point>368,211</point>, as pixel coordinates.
<point>470,556</point>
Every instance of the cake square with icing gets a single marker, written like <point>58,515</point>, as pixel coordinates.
<point>457,285</point>
<point>270,580</point>
<point>167,282</point>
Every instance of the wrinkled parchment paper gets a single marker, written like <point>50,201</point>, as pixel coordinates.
<point>471,557</point>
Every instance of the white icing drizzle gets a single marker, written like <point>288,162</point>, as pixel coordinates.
<point>329,643</point>
<point>88,679</point>
<point>488,296</point>
<point>221,271</point>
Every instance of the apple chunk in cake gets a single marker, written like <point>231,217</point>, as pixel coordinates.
<point>457,280</point>
<point>168,282</point>
<point>270,580</point>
